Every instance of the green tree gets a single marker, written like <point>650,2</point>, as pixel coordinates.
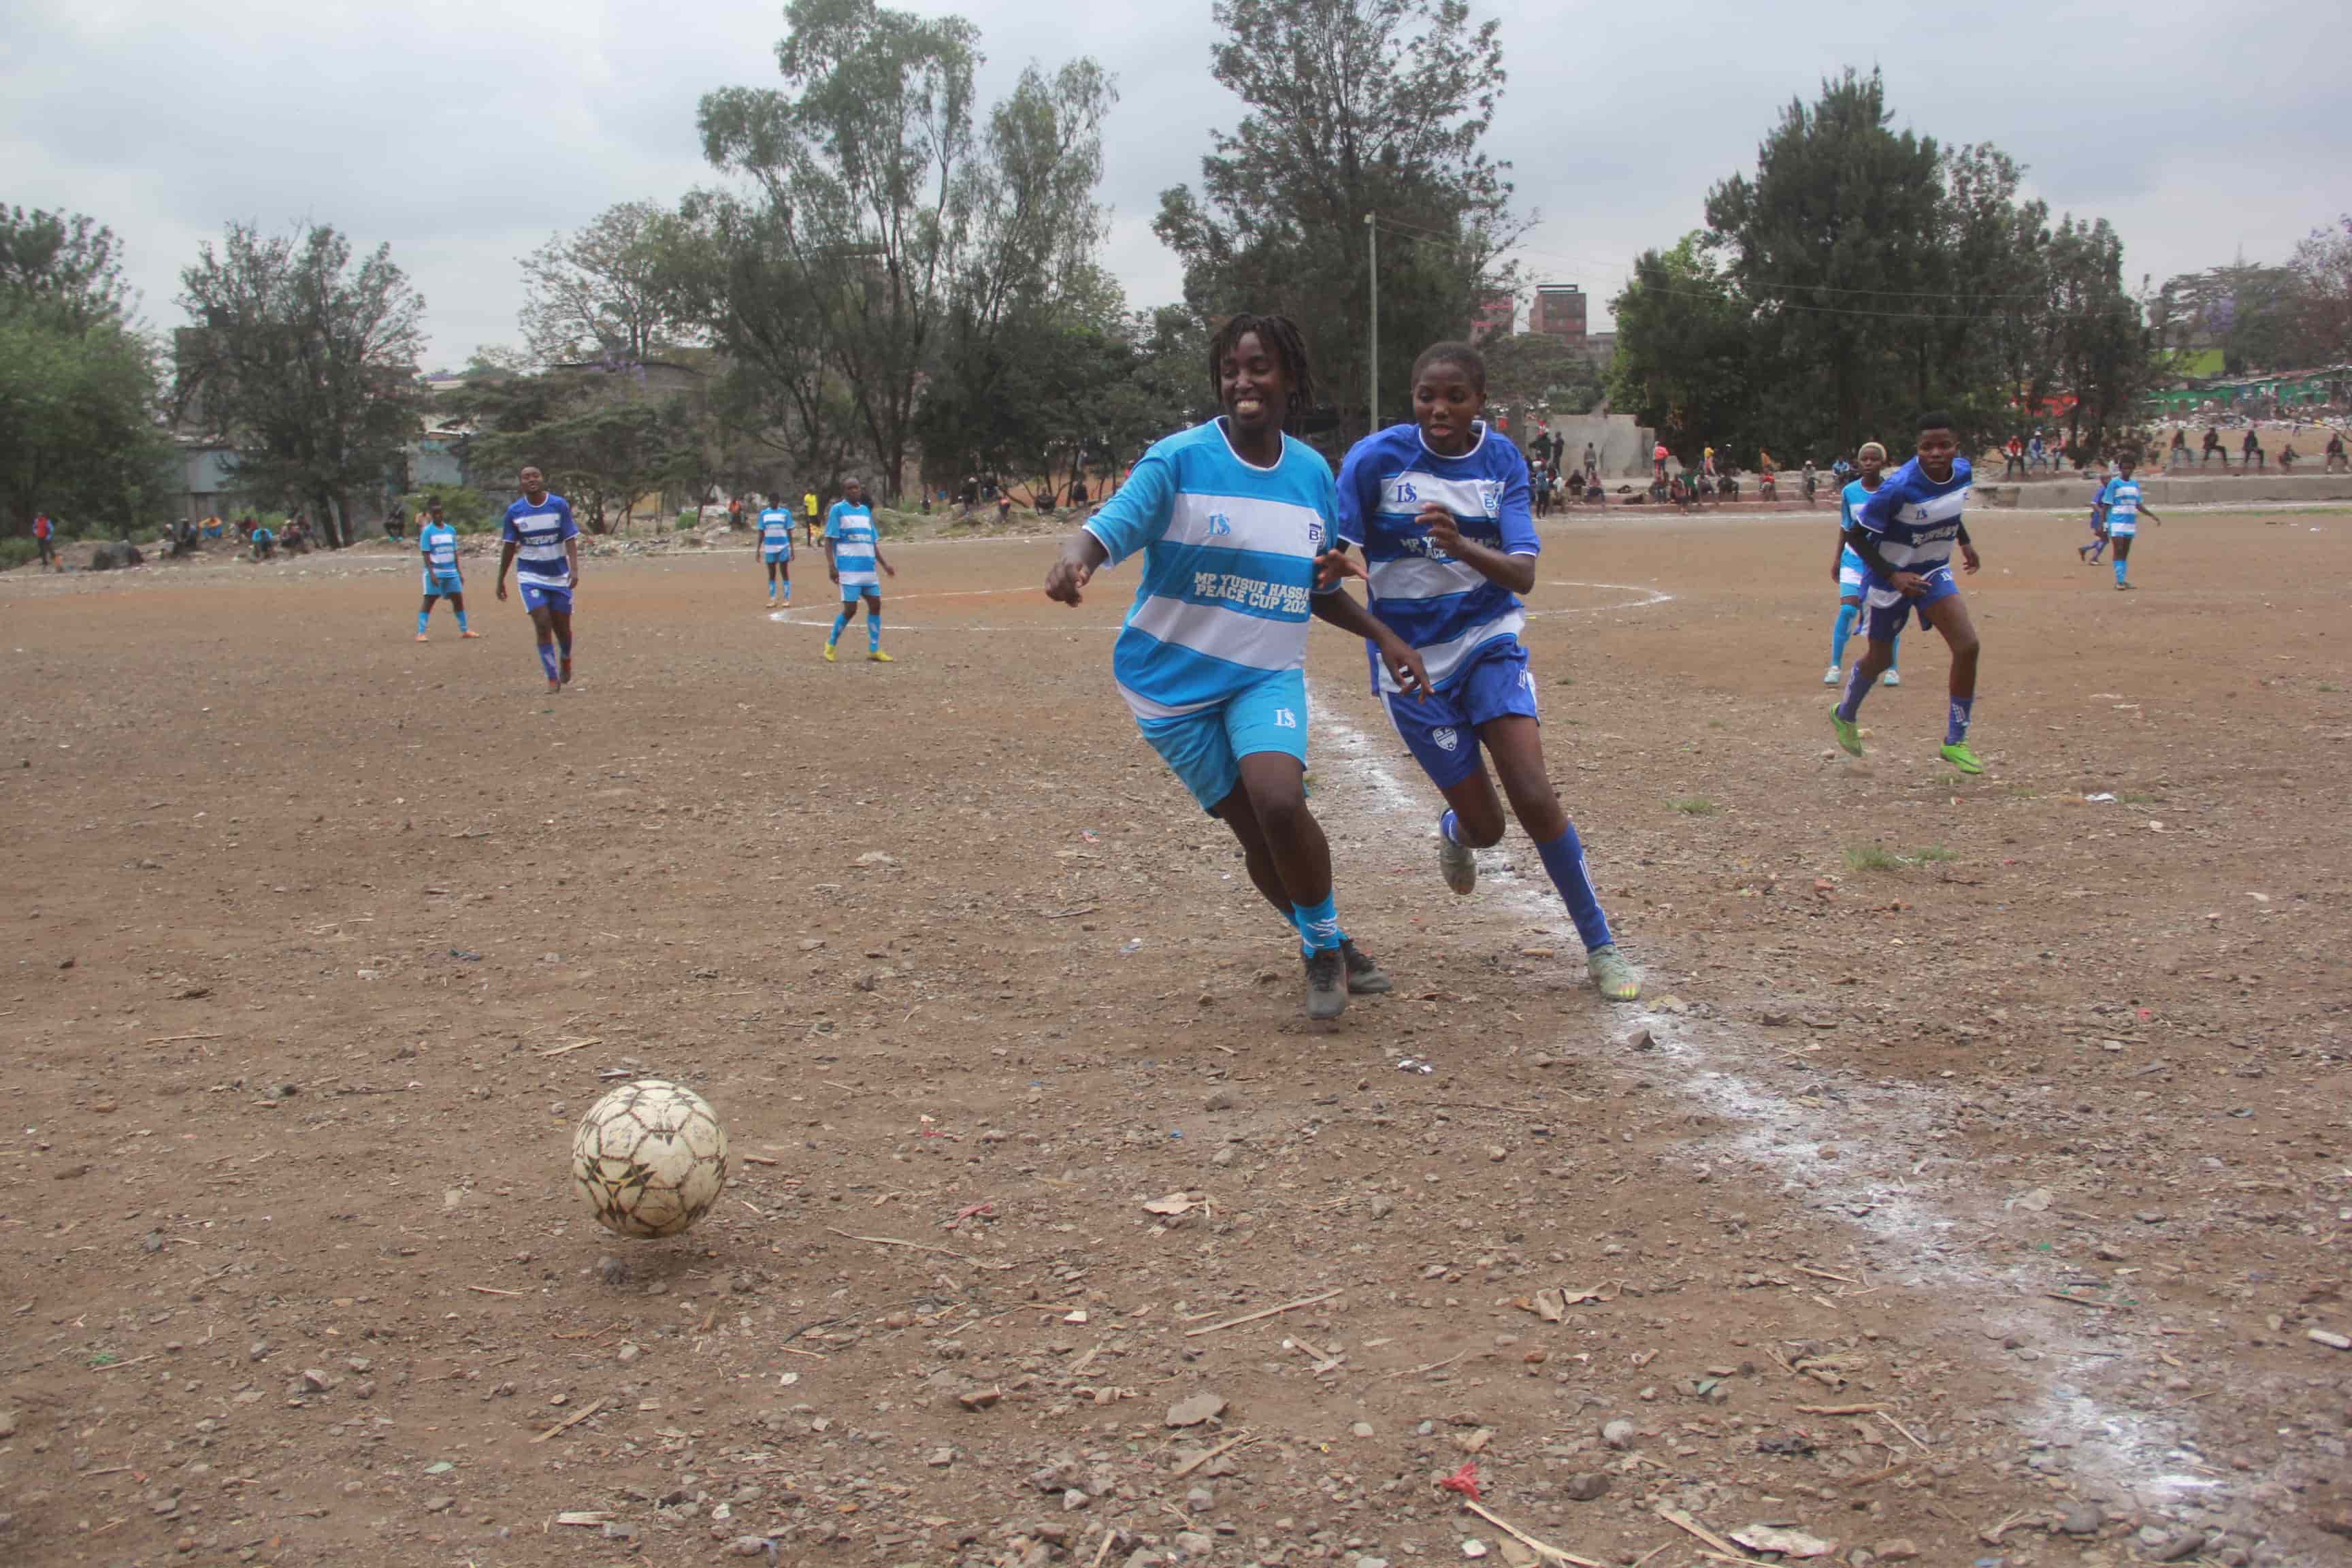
<point>1356,108</point>
<point>305,363</point>
<point>78,436</point>
<point>1689,353</point>
<point>2323,264</point>
<point>1538,370</point>
<point>608,291</point>
<point>602,438</point>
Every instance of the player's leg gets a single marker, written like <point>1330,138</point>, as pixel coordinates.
<point>874,627</point>
<point>458,606</point>
<point>1880,626</point>
<point>1960,633</point>
<point>784,570</point>
<point>425,614</point>
<point>1842,628</point>
<point>2123,561</point>
<point>849,596</point>
<point>542,628</point>
<point>560,618</point>
<point>1442,739</point>
<point>1515,741</point>
<point>771,563</point>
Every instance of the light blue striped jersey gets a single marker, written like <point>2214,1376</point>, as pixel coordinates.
<point>2121,498</point>
<point>437,542</point>
<point>851,528</point>
<point>1443,607</point>
<point>776,530</point>
<point>1228,567</point>
<point>1850,501</point>
<point>538,530</point>
<point>1916,520</point>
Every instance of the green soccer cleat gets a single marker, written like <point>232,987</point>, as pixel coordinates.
<point>1612,975</point>
<point>1960,757</point>
<point>1849,734</point>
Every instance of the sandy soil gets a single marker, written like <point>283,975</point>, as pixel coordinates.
<point>1964,1191</point>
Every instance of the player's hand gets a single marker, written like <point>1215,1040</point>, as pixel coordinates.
<point>1910,585</point>
<point>1335,567</point>
<point>1066,580</point>
<point>1404,666</point>
<point>1970,558</point>
<point>834,575</point>
<point>1444,532</point>
<point>503,590</point>
<point>888,570</point>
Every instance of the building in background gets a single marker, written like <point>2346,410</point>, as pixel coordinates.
<point>1560,311</point>
<point>1498,317</point>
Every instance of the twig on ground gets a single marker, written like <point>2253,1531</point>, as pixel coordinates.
<point>1261,1312</point>
<point>1682,1520</point>
<point>571,1421</point>
<point>574,1046</point>
<point>1907,1431</point>
<point>492,1291</point>
<point>1540,1548</point>
<point>1197,1460</point>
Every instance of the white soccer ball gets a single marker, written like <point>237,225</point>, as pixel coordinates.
<point>650,1158</point>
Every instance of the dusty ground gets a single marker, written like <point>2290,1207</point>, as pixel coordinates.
<point>1983,1173</point>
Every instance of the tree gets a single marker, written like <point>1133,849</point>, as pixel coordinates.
<point>1687,352</point>
<point>1538,370</point>
<point>304,364</point>
<point>78,379</point>
<point>605,292</point>
<point>2322,263</point>
<point>600,435</point>
<point>1357,108</point>
<point>2251,312</point>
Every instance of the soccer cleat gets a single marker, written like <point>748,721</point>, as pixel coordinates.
<point>1849,733</point>
<point>422,637</point>
<point>878,656</point>
<point>1365,978</point>
<point>2123,587</point>
<point>828,653</point>
<point>1959,756</point>
<point>1458,862</point>
<point>553,687</point>
<point>1612,975</point>
<point>469,634</point>
<point>566,668</point>
<point>1830,677</point>
<point>1894,678</point>
<point>1327,983</point>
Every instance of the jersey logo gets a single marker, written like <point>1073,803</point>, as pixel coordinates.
<point>1446,737</point>
<point>1315,538</point>
<point>1218,523</point>
<point>1402,493</point>
<point>1490,497</point>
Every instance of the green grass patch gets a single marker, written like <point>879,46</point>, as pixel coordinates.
<point>1935,854</point>
<point>2329,686</point>
<point>1693,805</point>
<point>1871,857</point>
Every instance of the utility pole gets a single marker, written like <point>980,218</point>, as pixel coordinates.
<point>1372,279</point>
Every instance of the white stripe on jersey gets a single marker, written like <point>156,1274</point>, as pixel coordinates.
<point>1215,630</point>
<point>1442,658</point>
<point>1421,577</point>
<point>1242,522</point>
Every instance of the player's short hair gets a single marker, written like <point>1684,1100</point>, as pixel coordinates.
<point>1867,448</point>
<point>1471,363</point>
<point>1935,419</point>
<point>1282,339</point>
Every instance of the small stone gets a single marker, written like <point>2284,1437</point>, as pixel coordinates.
<point>627,1354</point>
<point>315,1381</point>
<point>1361,1429</point>
<point>1371,1563</point>
<point>1383,1206</point>
<point>1496,1153</point>
<point>1895,1549</point>
<point>259,1349</point>
<point>979,1398</point>
<point>2178,1546</point>
<point>1200,1499</point>
<point>747,1546</point>
<point>1192,1543</point>
<point>1586,1488</point>
<point>1192,1411</point>
<point>1075,1500</point>
<point>1222,1100</point>
<point>442,1504</point>
<point>616,1530</point>
<point>1223,1157</point>
<point>613,1270</point>
<point>2333,1341</point>
<point>1640,1040</point>
<point>7,1424</point>
<point>1618,1433</point>
<point>2083,1519</point>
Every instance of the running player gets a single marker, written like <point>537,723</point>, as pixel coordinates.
<point>852,551</point>
<point>1871,462</point>
<point>1440,510</point>
<point>1905,534</point>
<point>775,548</point>
<point>437,542</point>
<point>538,528</point>
<point>2097,516</point>
<point>1233,518</point>
<point>2120,509</point>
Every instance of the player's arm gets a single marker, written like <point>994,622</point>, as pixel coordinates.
<point>1512,571</point>
<point>1868,529</point>
<point>572,557</point>
<point>1134,517</point>
<point>881,560</point>
<point>1332,604</point>
<point>1969,556</point>
<point>506,559</point>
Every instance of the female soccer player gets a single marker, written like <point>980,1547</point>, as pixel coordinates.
<point>437,542</point>
<point>538,528</point>
<point>1847,568</point>
<point>1904,533</point>
<point>775,547</point>
<point>2119,509</point>
<point>1440,510</point>
<point>1234,518</point>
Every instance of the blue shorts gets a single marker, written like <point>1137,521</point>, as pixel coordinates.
<point>853,591</point>
<point>1206,749</point>
<point>774,557</point>
<point>1883,622</point>
<point>1441,730</point>
<point>556,599</point>
<point>443,584</point>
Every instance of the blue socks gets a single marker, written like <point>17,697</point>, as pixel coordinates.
<point>1842,630</point>
<point>461,622</point>
<point>565,643</point>
<point>839,622</point>
<point>2120,573</point>
<point>1563,857</point>
<point>1955,726</point>
<point>1319,925</point>
<point>1856,689</point>
<point>873,627</point>
<point>1450,825</point>
<point>547,661</point>
<point>423,615</point>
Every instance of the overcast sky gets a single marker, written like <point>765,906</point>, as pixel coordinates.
<point>464,134</point>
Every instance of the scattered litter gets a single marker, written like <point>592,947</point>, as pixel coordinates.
<point>1464,1481</point>
<point>1174,1204</point>
<point>2103,797</point>
<point>1787,1543</point>
<point>1132,944</point>
<point>1414,1064</point>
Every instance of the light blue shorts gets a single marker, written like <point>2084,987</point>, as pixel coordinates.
<point>773,556</point>
<point>443,584</point>
<point>853,591</point>
<point>1206,749</point>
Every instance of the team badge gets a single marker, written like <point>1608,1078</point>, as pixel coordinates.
<point>1447,738</point>
<point>1218,523</point>
<point>1490,497</point>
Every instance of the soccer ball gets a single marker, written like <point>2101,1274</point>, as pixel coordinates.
<point>650,1158</point>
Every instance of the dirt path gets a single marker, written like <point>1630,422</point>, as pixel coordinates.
<point>2009,1123</point>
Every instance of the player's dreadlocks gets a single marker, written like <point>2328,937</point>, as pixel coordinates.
<point>1281,338</point>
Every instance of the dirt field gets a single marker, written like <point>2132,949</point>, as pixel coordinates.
<point>1964,1191</point>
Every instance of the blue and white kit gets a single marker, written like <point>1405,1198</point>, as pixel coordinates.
<point>538,530</point>
<point>1915,521</point>
<point>1466,626</point>
<point>775,534</point>
<point>2121,497</point>
<point>851,528</point>
<point>1849,565</point>
<point>437,542</point>
<point>1212,656</point>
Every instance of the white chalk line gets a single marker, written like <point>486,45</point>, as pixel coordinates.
<point>1874,1131</point>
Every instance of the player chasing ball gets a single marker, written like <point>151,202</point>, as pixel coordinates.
<point>852,551</point>
<point>775,548</point>
<point>543,544</point>
<point>1905,534</point>
<point>1233,518</point>
<point>1440,510</point>
<point>1871,462</point>
<point>437,542</point>
<point>2118,510</point>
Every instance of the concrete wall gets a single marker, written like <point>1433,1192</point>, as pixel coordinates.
<point>1622,446</point>
<point>2254,490</point>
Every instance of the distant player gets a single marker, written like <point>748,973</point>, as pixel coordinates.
<point>2120,509</point>
<point>541,535</point>
<point>1848,568</point>
<point>808,516</point>
<point>851,553</point>
<point>1440,508</point>
<point>1904,533</point>
<point>2097,516</point>
<point>437,542</point>
<point>1233,518</point>
<point>775,548</point>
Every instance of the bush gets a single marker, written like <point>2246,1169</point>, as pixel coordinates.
<point>466,510</point>
<point>16,551</point>
<point>687,518</point>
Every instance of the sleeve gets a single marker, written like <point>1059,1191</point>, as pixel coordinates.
<point>1518,518</point>
<point>2106,496</point>
<point>1330,501</point>
<point>425,541</point>
<point>1138,515</point>
<point>571,529</point>
<point>1352,509</point>
<point>1879,509</point>
<point>832,520</point>
<point>506,528</point>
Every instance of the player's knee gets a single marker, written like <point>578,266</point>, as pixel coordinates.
<point>1281,811</point>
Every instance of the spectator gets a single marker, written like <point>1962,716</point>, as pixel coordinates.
<point>1575,486</point>
<point>1592,464</point>
<point>1658,464</point>
<point>2176,454</point>
<point>2213,448</point>
<point>264,543</point>
<point>2013,459</point>
<point>45,540</point>
<point>2249,451</point>
<point>2335,453</point>
<point>2288,457</point>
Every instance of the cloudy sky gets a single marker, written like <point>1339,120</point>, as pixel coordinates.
<point>464,135</point>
